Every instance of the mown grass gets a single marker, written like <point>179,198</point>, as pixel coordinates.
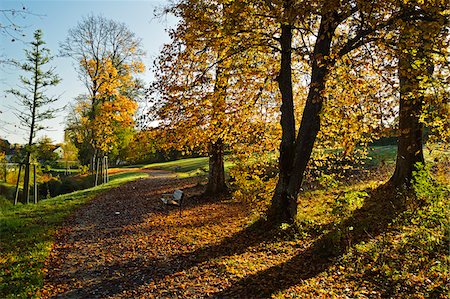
<point>387,154</point>
<point>186,167</point>
<point>382,155</point>
<point>27,231</point>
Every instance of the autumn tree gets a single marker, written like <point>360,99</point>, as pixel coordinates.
<point>108,57</point>
<point>201,96</point>
<point>32,97</point>
<point>70,151</point>
<point>322,43</point>
<point>112,122</point>
<point>420,38</point>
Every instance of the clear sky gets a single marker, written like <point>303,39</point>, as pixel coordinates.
<point>55,18</point>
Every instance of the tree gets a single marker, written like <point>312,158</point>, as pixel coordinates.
<point>363,21</point>
<point>8,23</point>
<point>207,90</point>
<point>113,110</point>
<point>108,56</point>
<point>45,154</point>
<point>419,39</point>
<point>33,99</point>
<point>5,146</point>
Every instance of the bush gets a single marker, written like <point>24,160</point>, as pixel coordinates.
<point>254,182</point>
<point>7,191</point>
<point>426,189</point>
<point>55,186</point>
<point>4,202</point>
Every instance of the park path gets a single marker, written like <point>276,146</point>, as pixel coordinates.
<point>125,241</point>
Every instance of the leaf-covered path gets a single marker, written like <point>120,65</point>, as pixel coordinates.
<point>127,244</point>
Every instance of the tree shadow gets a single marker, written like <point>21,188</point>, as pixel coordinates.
<point>109,279</point>
<point>369,221</point>
<point>135,273</point>
<point>365,223</point>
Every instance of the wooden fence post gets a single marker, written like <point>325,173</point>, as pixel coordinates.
<point>35,185</point>
<point>16,197</point>
<point>96,172</point>
<point>107,167</point>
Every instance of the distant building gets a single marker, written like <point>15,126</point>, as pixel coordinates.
<point>59,151</point>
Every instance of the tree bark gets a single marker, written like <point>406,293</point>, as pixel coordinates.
<point>26,180</point>
<point>310,124</point>
<point>289,182</point>
<point>216,175</point>
<point>282,209</point>
<point>410,130</point>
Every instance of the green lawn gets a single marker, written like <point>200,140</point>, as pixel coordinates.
<point>382,154</point>
<point>186,167</point>
<point>26,235</point>
<point>387,154</point>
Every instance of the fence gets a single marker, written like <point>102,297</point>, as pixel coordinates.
<point>14,172</point>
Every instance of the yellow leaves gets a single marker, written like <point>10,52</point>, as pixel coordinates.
<point>110,111</point>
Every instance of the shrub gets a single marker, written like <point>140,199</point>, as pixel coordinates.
<point>425,188</point>
<point>254,182</point>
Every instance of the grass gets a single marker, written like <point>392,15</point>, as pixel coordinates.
<point>405,256</point>
<point>382,154</point>
<point>186,167</point>
<point>7,190</point>
<point>26,235</point>
<point>387,154</point>
<point>408,255</point>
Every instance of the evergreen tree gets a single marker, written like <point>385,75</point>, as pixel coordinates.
<point>31,97</point>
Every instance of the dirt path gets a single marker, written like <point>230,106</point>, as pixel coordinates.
<point>127,244</point>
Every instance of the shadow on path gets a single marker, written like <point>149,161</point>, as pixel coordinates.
<point>127,274</point>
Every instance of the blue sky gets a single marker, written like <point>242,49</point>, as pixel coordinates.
<point>55,18</point>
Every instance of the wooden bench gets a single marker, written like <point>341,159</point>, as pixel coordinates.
<point>173,199</point>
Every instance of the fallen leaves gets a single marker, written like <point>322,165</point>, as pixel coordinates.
<point>215,250</point>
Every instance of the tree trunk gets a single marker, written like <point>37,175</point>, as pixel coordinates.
<point>413,47</point>
<point>310,124</point>
<point>281,209</point>
<point>26,181</point>
<point>290,181</point>
<point>216,175</point>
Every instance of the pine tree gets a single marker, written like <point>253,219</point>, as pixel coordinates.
<point>32,98</point>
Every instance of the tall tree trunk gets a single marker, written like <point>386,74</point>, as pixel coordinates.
<point>289,184</point>
<point>282,209</point>
<point>26,180</point>
<point>216,175</point>
<point>409,145</point>
<point>413,48</point>
<point>310,124</point>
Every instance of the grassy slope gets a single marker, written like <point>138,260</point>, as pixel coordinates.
<point>26,236</point>
<point>405,256</point>
<point>186,167</point>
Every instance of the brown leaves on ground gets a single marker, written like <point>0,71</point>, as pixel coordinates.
<point>127,244</point>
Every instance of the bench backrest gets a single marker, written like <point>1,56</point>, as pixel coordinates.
<point>178,194</point>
